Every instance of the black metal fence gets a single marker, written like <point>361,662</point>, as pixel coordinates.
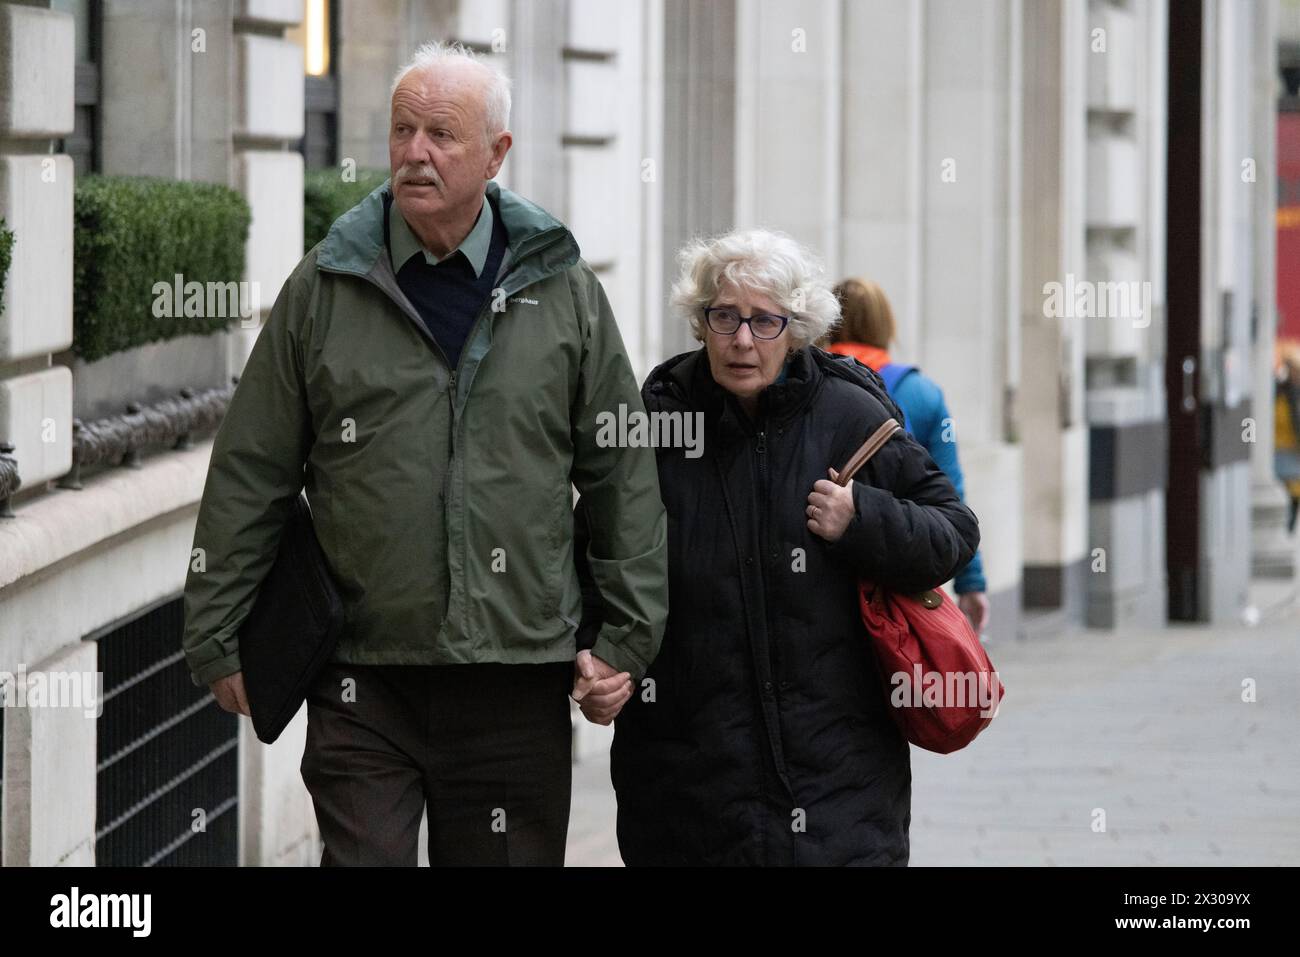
<point>168,774</point>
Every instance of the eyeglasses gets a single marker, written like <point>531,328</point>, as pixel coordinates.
<point>727,322</point>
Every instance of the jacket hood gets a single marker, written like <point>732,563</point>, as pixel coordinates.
<point>535,239</point>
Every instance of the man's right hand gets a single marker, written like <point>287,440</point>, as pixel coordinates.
<point>229,692</point>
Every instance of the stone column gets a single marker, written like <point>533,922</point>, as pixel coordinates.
<point>276,821</point>
<point>788,119</point>
<point>36,188</point>
<point>537,64</point>
<point>375,38</point>
<point>698,176</point>
<point>1273,552</point>
<point>1050,400</point>
<point>1126,581</point>
<point>1228,277</point>
<point>268,122</point>
<point>930,174</point>
<point>964,332</point>
<point>165,72</point>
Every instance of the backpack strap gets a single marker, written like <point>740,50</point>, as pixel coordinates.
<point>892,373</point>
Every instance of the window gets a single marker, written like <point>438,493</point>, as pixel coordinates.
<point>83,144</point>
<point>318,36</point>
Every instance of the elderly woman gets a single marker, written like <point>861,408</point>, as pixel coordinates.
<point>761,733</point>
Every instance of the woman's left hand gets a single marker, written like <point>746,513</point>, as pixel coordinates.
<point>830,508</point>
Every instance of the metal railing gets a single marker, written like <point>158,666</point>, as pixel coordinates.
<point>167,776</point>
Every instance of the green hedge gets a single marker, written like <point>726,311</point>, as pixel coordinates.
<point>131,232</point>
<point>6,256</point>
<point>326,197</point>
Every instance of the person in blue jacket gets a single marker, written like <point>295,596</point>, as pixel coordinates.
<point>865,333</point>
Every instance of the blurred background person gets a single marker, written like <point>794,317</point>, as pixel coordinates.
<point>865,332</point>
<point>1286,426</point>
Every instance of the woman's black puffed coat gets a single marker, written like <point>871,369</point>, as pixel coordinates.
<point>764,736</point>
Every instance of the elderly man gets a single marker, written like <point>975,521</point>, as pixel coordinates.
<point>432,372</point>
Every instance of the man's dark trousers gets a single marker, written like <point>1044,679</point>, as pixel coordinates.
<point>488,746</point>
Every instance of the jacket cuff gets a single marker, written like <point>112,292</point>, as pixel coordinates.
<point>215,669</point>
<point>971,577</point>
<point>616,654</point>
<point>854,544</point>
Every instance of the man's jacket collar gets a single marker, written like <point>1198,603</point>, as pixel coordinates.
<point>537,244</point>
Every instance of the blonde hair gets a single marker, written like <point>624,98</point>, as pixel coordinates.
<point>867,316</point>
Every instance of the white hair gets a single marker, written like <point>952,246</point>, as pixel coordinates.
<point>496,85</point>
<point>762,262</point>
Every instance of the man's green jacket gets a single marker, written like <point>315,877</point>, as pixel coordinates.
<point>442,498</point>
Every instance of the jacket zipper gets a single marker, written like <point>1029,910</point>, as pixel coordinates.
<point>765,550</point>
<point>453,376</point>
<point>457,422</point>
<point>765,506</point>
<point>455,418</point>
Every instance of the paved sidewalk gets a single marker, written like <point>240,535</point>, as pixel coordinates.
<point>1149,727</point>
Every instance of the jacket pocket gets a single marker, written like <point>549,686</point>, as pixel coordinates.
<point>559,563</point>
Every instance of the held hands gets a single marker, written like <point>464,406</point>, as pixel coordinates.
<point>830,508</point>
<point>599,688</point>
<point>229,692</point>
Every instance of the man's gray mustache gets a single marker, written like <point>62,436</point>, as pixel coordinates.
<point>419,172</point>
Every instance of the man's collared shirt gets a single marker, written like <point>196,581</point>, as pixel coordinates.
<point>448,293</point>
<point>404,244</point>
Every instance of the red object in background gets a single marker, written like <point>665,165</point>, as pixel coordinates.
<point>1288,225</point>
